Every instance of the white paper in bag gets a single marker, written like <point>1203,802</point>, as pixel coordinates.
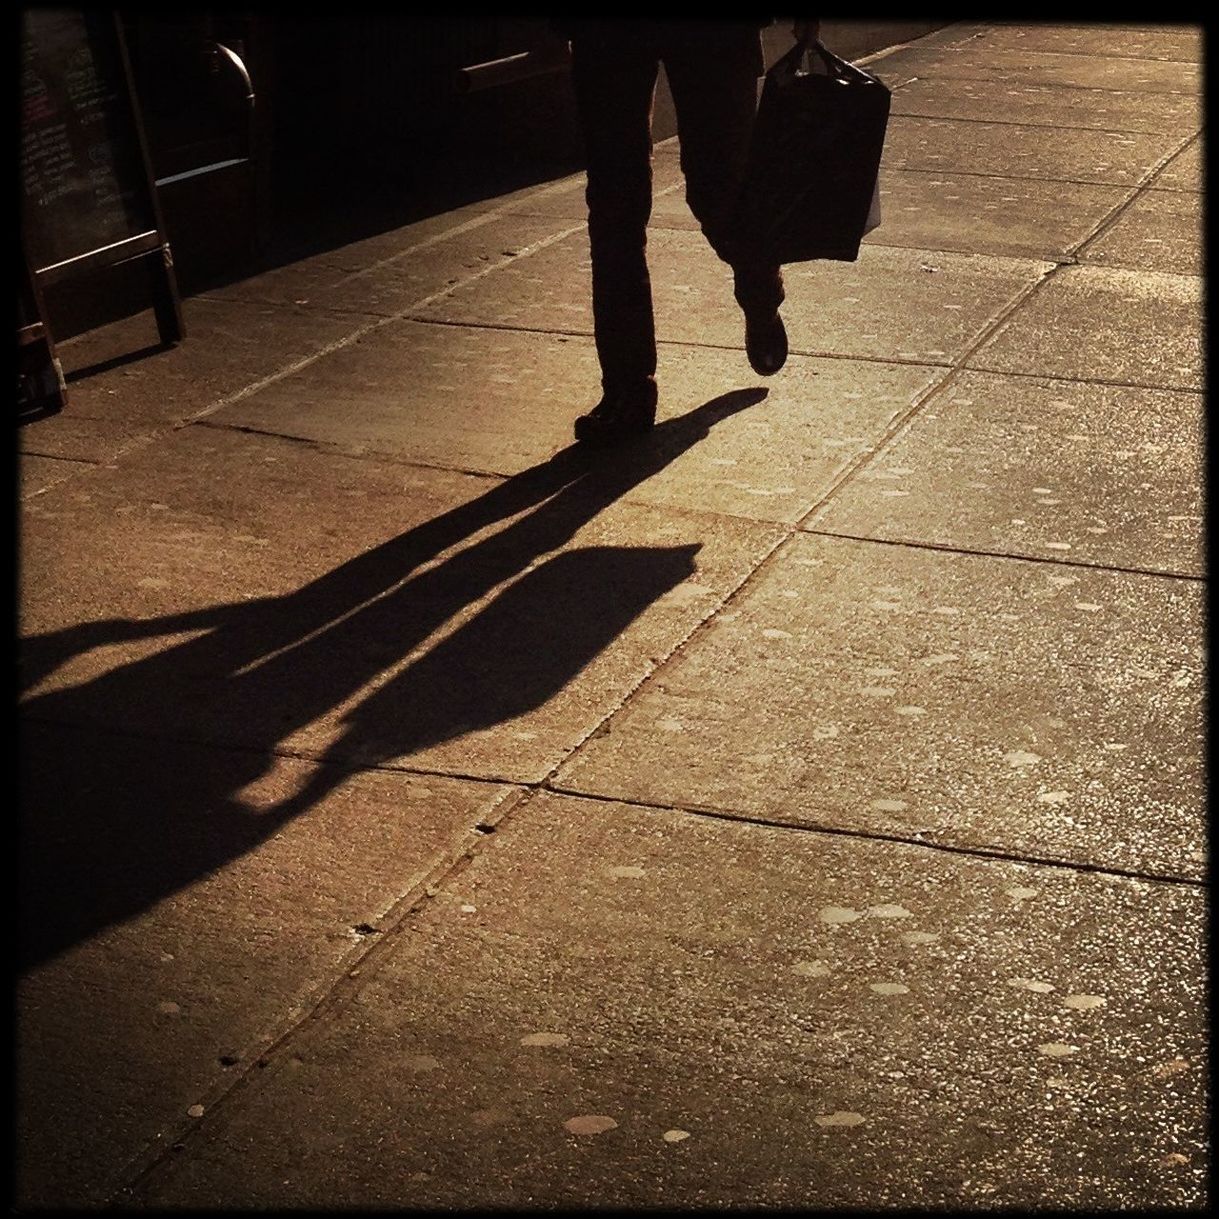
<point>873,220</point>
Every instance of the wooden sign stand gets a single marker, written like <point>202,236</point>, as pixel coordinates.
<point>41,389</point>
<point>88,196</point>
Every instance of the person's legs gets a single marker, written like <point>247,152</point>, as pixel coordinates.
<point>713,74</point>
<point>614,83</point>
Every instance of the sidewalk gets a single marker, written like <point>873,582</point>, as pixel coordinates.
<point>803,808</point>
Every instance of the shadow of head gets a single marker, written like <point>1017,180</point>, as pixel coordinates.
<point>520,650</point>
<point>142,823</point>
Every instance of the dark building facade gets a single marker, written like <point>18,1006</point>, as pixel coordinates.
<point>273,134</point>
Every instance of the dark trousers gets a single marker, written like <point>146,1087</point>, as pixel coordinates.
<point>712,70</point>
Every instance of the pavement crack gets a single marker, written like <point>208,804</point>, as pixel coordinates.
<point>946,548</point>
<point>974,851</point>
<point>371,944</point>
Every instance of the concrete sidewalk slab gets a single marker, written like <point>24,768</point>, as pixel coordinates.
<point>1015,150</point>
<point>980,703</point>
<point>186,932</point>
<point>426,618</point>
<point>230,346</point>
<point>1045,105</point>
<point>124,390</point>
<point>407,389</point>
<point>976,59</point>
<point>920,306</point>
<point>770,460</point>
<point>36,473</point>
<point>969,214</point>
<point>921,922</point>
<point>1178,41</point>
<point>402,279</point>
<point>1184,171</point>
<point>77,441</point>
<point>682,1012</point>
<point>1095,323</point>
<point>1162,230</point>
<point>972,214</point>
<point>1015,465</point>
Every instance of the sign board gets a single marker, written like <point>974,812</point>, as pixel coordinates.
<point>87,195</point>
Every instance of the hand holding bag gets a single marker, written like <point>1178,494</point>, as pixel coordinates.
<point>811,189</point>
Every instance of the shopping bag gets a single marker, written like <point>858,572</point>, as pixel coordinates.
<point>811,188</point>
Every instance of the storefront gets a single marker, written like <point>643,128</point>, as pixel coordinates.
<point>271,134</point>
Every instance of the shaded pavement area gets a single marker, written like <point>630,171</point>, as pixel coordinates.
<point>800,808</point>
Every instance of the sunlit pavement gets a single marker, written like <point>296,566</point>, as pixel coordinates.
<point>802,807</point>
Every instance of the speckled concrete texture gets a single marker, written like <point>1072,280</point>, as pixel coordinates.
<point>188,926</point>
<point>801,806</point>
<point>892,303</point>
<point>1184,171</point>
<point>1118,325</point>
<point>1002,101</point>
<point>1161,231</point>
<point>983,692</point>
<point>1033,150</point>
<point>1107,475</point>
<point>728,441</point>
<point>1016,217</point>
<point>976,58</point>
<point>1180,42</point>
<point>449,632</point>
<point>871,1025</point>
<point>230,347</point>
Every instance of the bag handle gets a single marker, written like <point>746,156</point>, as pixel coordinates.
<point>835,66</point>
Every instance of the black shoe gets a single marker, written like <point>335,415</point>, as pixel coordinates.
<point>765,343</point>
<point>618,417</point>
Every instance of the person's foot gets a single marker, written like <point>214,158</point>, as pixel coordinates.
<point>765,342</point>
<point>620,416</point>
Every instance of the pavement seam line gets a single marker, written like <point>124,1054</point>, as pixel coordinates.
<point>1195,138</point>
<point>659,663</point>
<point>362,331</point>
<point>1043,376</point>
<point>310,1006</point>
<point>389,456</point>
<point>475,222</point>
<point>861,460</point>
<point>962,118</point>
<point>1107,222</point>
<point>957,368</point>
<point>977,852</point>
<point>950,548</point>
<point>697,344</point>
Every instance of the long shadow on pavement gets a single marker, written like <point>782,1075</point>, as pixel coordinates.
<point>118,812</point>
